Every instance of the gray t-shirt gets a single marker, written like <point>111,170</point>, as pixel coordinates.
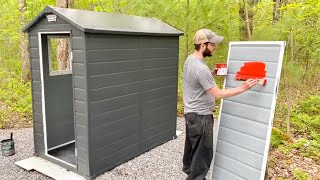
<point>197,78</point>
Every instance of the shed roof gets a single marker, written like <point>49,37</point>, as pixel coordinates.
<point>102,22</point>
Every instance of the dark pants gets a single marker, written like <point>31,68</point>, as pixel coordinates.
<point>198,148</point>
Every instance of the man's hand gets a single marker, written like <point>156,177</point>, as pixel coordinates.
<point>215,71</point>
<point>248,84</point>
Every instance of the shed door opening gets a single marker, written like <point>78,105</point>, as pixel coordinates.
<point>57,97</point>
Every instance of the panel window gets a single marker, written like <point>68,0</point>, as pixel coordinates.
<point>60,55</point>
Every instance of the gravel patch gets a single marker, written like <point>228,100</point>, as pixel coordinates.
<point>23,142</point>
<point>163,162</point>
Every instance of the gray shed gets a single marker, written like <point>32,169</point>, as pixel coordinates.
<point>118,97</point>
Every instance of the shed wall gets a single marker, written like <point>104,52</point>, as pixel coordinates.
<point>79,92</point>
<point>246,119</point>
<point>132,92</point>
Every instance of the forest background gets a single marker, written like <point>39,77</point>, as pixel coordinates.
<point>295,144</point>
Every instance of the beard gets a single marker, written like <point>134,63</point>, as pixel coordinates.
<point>206,53</point>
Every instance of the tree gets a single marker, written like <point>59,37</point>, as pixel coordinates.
<point>63,44</point>
<point>246,15</point>
<point>277,4</point>
<point>24,53</point>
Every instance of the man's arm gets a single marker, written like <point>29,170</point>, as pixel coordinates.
<point>218,93</point>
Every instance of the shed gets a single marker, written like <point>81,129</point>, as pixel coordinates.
<point>115,100</point>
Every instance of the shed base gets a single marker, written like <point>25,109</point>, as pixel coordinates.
<point>65,153</point>
<point>47,168</point>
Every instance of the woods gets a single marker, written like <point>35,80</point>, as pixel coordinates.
<point>296,133</point>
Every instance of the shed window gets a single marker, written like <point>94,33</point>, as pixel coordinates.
<point>60,55</point>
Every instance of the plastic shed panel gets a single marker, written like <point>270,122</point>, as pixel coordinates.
<point>245,121</point>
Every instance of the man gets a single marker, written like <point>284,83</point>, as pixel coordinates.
<point>199,94</point>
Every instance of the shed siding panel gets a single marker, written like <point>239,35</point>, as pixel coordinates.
<point>106,105</point>
<point>248,157</point>
<point>246,119</point>
<point>100,81</point>
<point>159,100</point>
<point>268,88</point>
<point>35,64</point>
<point>36,95</point>
<point>257,114</point>
<point>126,74</point>
<point>149,53</point>
<point>114,98</point>
<point>34,53</point>
<point>152,84</point>
<point>159,62</point>
<point>156,93</point>
<point>36,75</point>
<point>242,170</point>
<point>98,42</point>
<point>242,124</point>
<point>253,98</point>
<point>117,114</point>
<point>114,91</point>
<point>37,118</point>
<point>113,67</point>
<point>158,42</point>
<point>266,53</point>
<point>79,56</point>
<point>78,43</point>
<point>106,55</point>
<point>33,42</point>
<point>220,173</point>
<point>271,67</point>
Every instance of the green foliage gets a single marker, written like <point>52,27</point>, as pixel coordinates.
<point>301,67</point>
<point>281,178</point>
<point>311,106</point>
<point>301,175</point>
<point>180,98</point>
<point>277,138</point>
<point>306,118</point>
<point>306,125</point>
<point>307,148</point>
<point>15,96</point>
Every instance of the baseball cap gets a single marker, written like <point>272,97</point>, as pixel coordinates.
<point>206,35</point>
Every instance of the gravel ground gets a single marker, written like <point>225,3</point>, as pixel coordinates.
<point>23,139</point>
<point>163,162</point>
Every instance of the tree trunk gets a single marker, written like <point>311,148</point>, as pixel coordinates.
<point>248,21</point>
<point>289,110</point>
<point>276,12</point>
<point>276,6</point>
<point>289,85</point>
<point>24,53</point>
<point>187,29</point>
<point>63,44</point>
<point>64,3</point>
<point>242,27</point>
<point>246,15</point>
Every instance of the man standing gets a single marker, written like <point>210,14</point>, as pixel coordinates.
<point>199,93</point>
